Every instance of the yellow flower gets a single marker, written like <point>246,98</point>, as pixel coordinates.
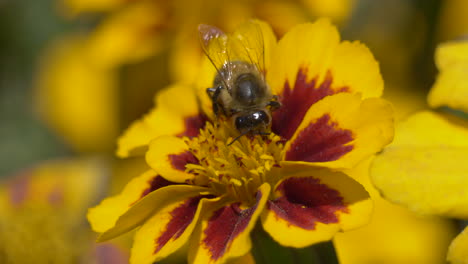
<point>43,211</point>
<point>206,191</point>
<point>78,82</point>
<point>425,168</point>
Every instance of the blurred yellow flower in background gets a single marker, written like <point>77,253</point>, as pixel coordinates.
<point>78,83</point>
<point>425,168</point>
<point>43,211</point>
<point>394,234</point>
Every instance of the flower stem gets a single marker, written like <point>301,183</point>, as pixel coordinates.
<point>266,250</point>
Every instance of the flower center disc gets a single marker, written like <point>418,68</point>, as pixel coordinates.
<point>238,169</point>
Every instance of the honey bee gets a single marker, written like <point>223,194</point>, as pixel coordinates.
<point>239,91</point>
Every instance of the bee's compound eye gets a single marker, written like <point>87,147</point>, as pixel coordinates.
<point>248,88</point>
<point>242,123</point>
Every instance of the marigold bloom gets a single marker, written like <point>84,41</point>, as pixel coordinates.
<point>202,190</point>
<point>430,150</point>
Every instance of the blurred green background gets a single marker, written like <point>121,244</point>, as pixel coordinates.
<point>26,27</point>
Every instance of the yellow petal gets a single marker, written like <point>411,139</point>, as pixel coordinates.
<point>168,156</point>
<point>316,48</point>
<point>176,113</point>
<point>118,214</point>
<point>458,251</point>
<point>428,180</point>
<point>149,205</point>
<point>225,232</point>
<point>394,234</point>
<point>451,86</point>
<point>425,168</point>
<point>428,128</point>
<point>338,203</point>
<point>167,230</point>
<point>451,53</point>
<point>104,216</point>
<point>355,67</point>
<point>341,130</point>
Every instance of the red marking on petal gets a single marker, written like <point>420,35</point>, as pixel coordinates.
<point>179,161</point>
<point>297,100</point>
<point>181,217</point>
<point>320,141</point>
<point>156,183</point>
<point>225,225</point>
<point>305,201</point>
<point>193,124</point>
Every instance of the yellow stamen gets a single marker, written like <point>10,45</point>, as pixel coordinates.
<point>238,169</point>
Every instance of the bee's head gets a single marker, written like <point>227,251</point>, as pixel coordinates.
<point>256,122</point>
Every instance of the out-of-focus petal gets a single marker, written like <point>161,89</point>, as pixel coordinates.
<point>128,35</point>
<point>394,234</point>
<point>425,169</point>
<point>77,98</point>
<point>428,180</point>
<point>337,10</point>
<point>428,128</point>
<point>451,86</point>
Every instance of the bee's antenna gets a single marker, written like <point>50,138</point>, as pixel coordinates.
<point>234,140</point>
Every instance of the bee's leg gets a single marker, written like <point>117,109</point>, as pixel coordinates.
<point>274,105</point>
<point>213,93</point>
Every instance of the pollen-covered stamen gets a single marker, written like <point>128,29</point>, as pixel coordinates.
<point>237,169</point>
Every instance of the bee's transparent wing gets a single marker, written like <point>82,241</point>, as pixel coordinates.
<point>215,45</point>
<point>247,44</point>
